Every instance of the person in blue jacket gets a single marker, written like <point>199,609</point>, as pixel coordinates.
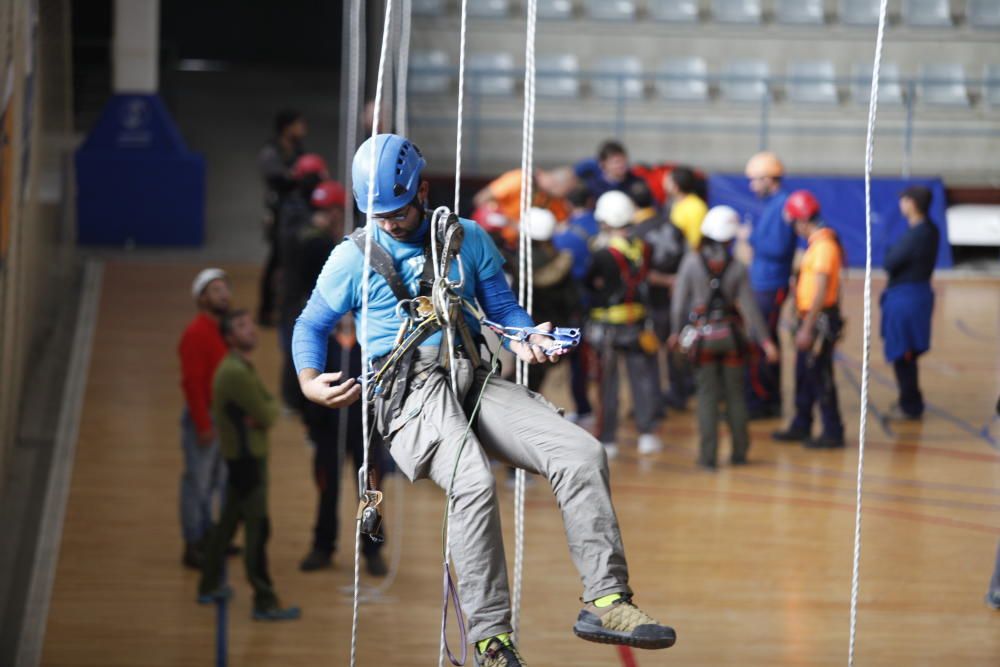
<point>908,301</point>
<point>425,421</point>
<point>774,242</point>
<point>608,171</point>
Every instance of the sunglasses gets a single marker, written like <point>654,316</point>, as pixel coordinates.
<point>398,215</point>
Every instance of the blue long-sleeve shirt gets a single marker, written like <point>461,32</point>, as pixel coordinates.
<point>338,291</point>
<point>912,257</point>
<point>773,241</point>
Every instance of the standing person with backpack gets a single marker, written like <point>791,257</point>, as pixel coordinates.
<point>712,296</point>
<point>618,316</point>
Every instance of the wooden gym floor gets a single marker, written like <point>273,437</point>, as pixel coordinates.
<point>752,566</point>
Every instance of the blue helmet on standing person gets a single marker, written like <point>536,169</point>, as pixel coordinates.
<point>398,163</point>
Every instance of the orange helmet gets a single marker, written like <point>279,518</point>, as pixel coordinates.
<point>765,165</point>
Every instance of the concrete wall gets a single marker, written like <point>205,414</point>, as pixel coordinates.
<point>35,190</point>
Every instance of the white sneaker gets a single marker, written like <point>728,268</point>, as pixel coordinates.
<point>611,449</point>
<point>649,444</point>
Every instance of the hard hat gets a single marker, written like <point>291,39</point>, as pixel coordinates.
<point>720,224</point>
<point>309,164</point>
<point>202,280</point>
<point>763,165</point>
<point>801,205</point>
<point>327,195</point>
<point>398,164</point>
<point>615,209</point>
<point>541,224</point>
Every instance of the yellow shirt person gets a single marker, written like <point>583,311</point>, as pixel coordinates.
<point>687,214</point>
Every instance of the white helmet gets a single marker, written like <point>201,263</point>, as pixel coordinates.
<point>202,280</point>
<point>615,209</point>
<point>541,224</point>
<point>721,224</point>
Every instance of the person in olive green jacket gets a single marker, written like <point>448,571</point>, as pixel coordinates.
<point>243,411</point>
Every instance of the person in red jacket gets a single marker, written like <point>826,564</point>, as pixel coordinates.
<point>201,349</point>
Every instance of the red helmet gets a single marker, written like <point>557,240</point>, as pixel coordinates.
<point>308,165</point>
<point>801,205</point>
<point>328,194</point>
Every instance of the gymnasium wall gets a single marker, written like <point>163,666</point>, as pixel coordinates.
<point>36,237</point>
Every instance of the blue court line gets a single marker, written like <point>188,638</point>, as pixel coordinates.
<point>961,424</point>
<point>856,383</point>
<point>970,332</point>
<point>222,625</point>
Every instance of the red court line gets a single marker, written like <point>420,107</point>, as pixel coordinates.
<point>627,657</point>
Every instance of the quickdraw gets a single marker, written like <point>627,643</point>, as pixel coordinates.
<point>563,338</point>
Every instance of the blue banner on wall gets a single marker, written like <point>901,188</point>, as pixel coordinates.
<point>137,182</point>
<point>843,204</point>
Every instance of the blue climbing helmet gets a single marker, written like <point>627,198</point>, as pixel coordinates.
<point>398,164</point>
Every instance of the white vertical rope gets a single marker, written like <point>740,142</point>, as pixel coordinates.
<point>525,285</point>
<point>365,288</point>
<point>461,103</point>
<point>866,349</point>
<point>403,68</point>
<point>354,35</point>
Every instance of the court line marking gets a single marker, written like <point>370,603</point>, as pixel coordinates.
<point>966,329</point>
<point>43,573</point>
<point>961,424</point>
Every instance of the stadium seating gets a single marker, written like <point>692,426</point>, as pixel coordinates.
<point>943,84</point>
<point>737,11</point>
<point>674,11</point>
<point>488,9</point>
<point>799,12</point>
<point>491,73</point>
<point>812,82</point>
<point>927,13</point>
<point>890,88</point>
<point>611,10</point>
<point>618,76</point>
<point>555,10</point>
<point>421,80</point>
<point>557,75</point>
<point>983,13</point>
<point>745,80</point>
<point>683,80</point>
<point>859,12</point>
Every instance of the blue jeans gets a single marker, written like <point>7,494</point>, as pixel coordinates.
<point>204,476</point>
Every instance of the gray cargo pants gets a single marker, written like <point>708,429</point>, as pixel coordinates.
<point>521,429</point>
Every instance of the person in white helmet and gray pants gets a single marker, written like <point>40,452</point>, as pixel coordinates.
<point>619,327</point>
<point>712,301</point>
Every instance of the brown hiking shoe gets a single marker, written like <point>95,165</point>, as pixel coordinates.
<point>622,623</point>
<point>498,654</point>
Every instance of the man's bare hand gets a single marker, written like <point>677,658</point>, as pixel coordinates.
<point>323,388</point>
<point>533,351</point>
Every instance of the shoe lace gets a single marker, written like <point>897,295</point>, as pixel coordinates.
<point>626,617</point>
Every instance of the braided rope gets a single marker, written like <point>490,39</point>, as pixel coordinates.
<point>866,349</point>
<point>525,285</point>
<point>365,297</point>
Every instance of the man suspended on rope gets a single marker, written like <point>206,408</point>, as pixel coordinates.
<point>425,423</point>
